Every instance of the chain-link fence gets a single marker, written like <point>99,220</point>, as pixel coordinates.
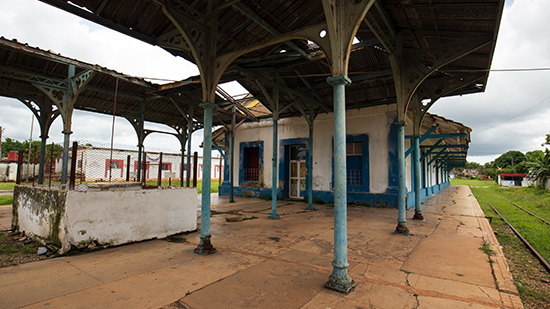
<point>89,164</point>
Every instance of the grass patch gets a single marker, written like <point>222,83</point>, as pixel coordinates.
<point>28,250</point>
<point>534,230</point>
<point>214,184</point>
<point>486,248</point>
<point>6,200</point>
<point>7,186</point>
<point>7,250</point>
<point>472,182</point>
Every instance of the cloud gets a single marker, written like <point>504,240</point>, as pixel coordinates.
<point>521,43</point>
<point>41,25</point>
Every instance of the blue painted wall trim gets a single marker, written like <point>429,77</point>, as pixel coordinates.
<point>263,193</point>
<point>327,197</point>
<point>320,197</point>
<point>364,138</point>
<point>284,165</point>
<point>260,145</point>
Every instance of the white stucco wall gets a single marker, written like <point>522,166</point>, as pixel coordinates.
<point>374,122</point>
<point>118,217</point>
<point>94,163</point>
<point>106,217</point>
<point>8,171</point>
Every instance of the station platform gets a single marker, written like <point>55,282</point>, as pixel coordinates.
<point>284,263</point>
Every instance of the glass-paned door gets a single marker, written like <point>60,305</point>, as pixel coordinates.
<point>298,171</point>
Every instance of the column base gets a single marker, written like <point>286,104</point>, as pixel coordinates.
<point>205,246</point>
<point>274,217</point>
<point>310,208</point>
<point>418,216</point>
<point>401,229</point>
<point>340,281</point>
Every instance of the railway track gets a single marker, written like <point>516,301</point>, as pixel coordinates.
<point>527,211</point>
<point>535,252</point>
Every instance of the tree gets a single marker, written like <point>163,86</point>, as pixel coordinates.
<point>14,145</point>
<point>470,165</point>
<point>535,154</point>
<point>540,168</point>
<point>522,168</point>
<point>510,159</point>
<point>547,142</point>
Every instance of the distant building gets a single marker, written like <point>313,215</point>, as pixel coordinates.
<point>97,164</point>
<point>512,180</point>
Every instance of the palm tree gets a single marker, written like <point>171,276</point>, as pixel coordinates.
<point>540,168</point>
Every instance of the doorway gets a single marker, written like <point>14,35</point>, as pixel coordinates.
<point>298,171</point>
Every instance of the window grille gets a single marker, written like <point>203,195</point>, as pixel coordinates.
<point>354,148</point>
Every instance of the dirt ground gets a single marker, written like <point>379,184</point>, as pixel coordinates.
<point>532,280</point>
<point>17,249</point>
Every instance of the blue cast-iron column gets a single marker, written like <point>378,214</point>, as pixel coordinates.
<point>189,134</point>
<point>417,194</point>
<point>205,246</point>
<point>310,169</point>
<point>274,214</point>
<point>402,188</point>
<point>339,279</point>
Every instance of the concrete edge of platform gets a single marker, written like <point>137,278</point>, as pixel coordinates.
<point>501,271</point>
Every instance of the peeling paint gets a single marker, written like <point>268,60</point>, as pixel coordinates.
<point>74,218</point>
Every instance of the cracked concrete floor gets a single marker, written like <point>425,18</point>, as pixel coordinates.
<point>284,263</point>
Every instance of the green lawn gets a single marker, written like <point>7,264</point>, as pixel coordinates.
<point>7,185</point>
<point>472,182</point>
<point>6,200</point>
<point>174,183</point>
<point>533,199</point>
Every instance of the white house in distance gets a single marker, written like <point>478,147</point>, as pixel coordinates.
<point>93,163</point>
<point>372,169</point>
<point>514,180</point>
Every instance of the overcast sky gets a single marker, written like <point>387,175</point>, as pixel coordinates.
<point>513,113</point>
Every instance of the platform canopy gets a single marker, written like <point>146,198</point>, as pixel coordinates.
<point>444,48</point>
<point>23,69</point>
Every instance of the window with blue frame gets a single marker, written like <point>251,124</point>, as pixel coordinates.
<point>251,161</point>
<point>354,163</point>
<point>357,163</point>
<point>251,164</point>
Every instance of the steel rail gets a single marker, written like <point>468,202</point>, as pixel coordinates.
<point>527,211</point>
<point>535,252</point>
